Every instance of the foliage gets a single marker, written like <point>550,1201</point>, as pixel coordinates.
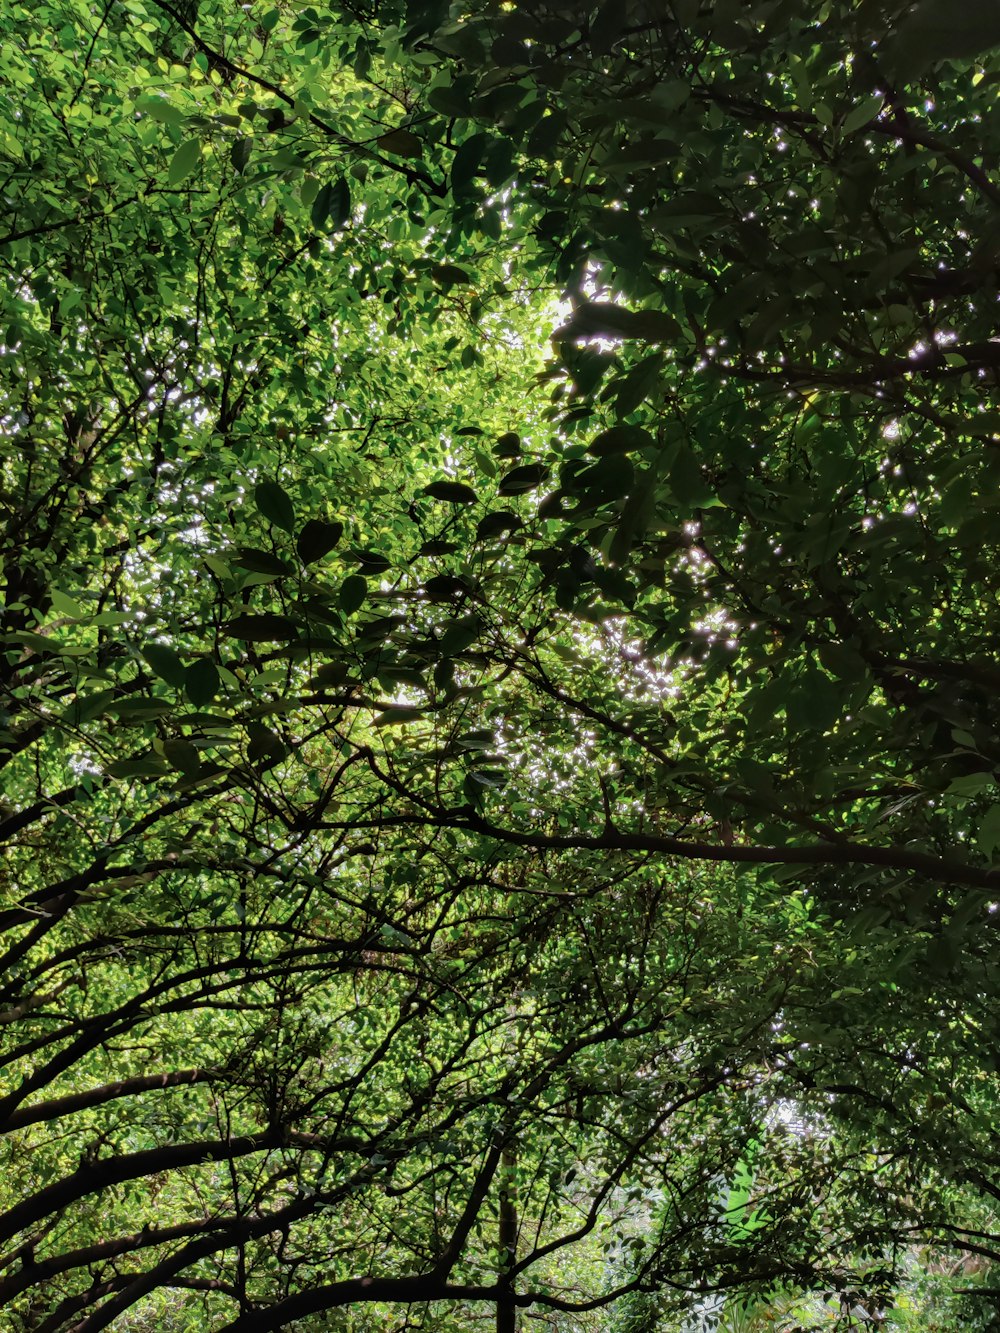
<point>494,821</point>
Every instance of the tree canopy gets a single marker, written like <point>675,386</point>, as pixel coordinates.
<point>498,682</point>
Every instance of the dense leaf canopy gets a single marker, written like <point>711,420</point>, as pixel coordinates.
<point>498,682</point>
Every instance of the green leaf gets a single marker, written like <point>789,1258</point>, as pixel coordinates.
<point>165,663</point>
<point>158,108</point>
<point>478,782</point>
<point>65,606</point>
<point>148,766</point>
<point>862,114</point>
<point>85,707</point>
<point>184,162</point>
<point>141,710</point>
<point>275,505</point>
<point>970,784</point>
<point>218,567</point>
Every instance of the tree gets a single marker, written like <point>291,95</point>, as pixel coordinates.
<point>446,766</point>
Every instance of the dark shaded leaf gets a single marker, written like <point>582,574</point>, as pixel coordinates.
<point>85,707</point>
<point>201,682</point>
<point>620,439</point>
<point>261,562</point>
<point>442,587</point>
<point>141,710</point>
<point>340,204</point>
<point>353,592</point>
<point>503,520</point>
<point>593,319</point>
<point>165,663</point>
<point>394,717</point>
<point>522,479</point>
<point>183,756</point>
<point>275,505</point>
<point>264,628</point>
<point>331,675</point>
<point>460,634</point>
<point>508,446</point>
<point>454,492</point>
<point>638,384</point>
<point>317,539</point>
<point>437,546</point>
<point>610,478</point>
<point>380,628</point>
<point>551,505</point>
<point>372,562</point>
<point>635,519</point>
<point>401,143</point>
<point>450,275</point>
<point>263,743</point>
<point>482,739</point>
<point>391,677</point>
<point>467,161</point>
<point>239,154</point>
